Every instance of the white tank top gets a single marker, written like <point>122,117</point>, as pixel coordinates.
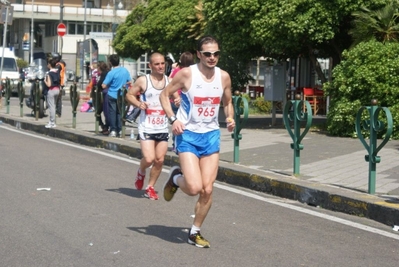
<point>199,108</point>
<point>153,119</point>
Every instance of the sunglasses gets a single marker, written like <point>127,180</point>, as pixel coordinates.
<point>209,54</point>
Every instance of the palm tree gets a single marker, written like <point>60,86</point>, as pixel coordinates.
<point>198,22</point>
<point>381,25</point>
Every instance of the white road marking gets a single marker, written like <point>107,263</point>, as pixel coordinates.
<point>227,188</point>
<point>310,212</point>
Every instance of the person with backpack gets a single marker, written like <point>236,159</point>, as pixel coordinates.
<point>53,82</point>
<point>61,67</point>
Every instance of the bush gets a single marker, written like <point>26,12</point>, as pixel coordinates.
<point>21,63</point>
<point>259,105</point>
<point>368,71</point>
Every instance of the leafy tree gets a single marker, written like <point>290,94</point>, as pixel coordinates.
<point>157,25</point>
<point>381,24</point>
<point>284,28</point>
<point>230,22</point>
<point>368,71</point>
<point>247,29</point>
<point>175,26</point>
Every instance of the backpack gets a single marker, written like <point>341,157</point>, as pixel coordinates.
<point>55,79</point>
<point>61,67</point>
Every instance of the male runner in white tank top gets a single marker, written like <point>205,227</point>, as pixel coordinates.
<point>153,127</point>
<point>197,131</point>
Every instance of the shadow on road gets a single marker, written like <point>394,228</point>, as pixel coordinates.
<point>171,234</point>
<point>128,191</point>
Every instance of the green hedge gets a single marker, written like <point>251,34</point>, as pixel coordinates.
<point>258,105</point>
<point>368,71</point>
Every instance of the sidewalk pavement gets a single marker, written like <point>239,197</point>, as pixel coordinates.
<point>333,171</point>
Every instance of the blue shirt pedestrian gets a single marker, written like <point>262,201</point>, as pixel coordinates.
<point>116,79</point>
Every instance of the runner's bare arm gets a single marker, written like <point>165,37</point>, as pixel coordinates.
<point>227,101</point>
<point>177,83</point>
<point>227,95</point>
<point>137,87</point>
<point>47,80</point>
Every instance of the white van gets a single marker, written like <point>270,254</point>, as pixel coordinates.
<point>10,68</point>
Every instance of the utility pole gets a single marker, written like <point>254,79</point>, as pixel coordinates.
<point>61,21</point>
<point>84,39</point>
<point>61,11</point>
<point>32,39</point>
<point>4,40</point>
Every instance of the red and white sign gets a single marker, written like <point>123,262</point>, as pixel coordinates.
<point>61,29</point>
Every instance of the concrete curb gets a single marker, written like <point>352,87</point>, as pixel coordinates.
<point>381,209</point>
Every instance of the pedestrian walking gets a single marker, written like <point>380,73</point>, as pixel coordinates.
<point>153,126</point>
<point>204,86</point>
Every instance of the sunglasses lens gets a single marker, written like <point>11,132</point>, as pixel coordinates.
<point>209,54</point>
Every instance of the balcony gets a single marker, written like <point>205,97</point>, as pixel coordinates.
<point>52,12</point>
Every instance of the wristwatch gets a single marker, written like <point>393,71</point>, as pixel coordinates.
<point>172,119</point>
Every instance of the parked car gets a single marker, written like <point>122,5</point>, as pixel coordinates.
<point>10,69</point>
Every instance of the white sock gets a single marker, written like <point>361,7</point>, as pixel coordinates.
<point>142,173</point>
<point>194,230</point>
<point>175,179</point>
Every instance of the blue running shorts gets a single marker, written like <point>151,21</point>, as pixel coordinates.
<point>200,144</point>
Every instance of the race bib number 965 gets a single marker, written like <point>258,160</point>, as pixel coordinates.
<point>205,108</point>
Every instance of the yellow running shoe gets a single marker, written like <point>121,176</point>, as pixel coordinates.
<point>169,189</point>
<point>198,240</point>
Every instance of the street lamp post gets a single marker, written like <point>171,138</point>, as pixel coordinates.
<point>61,21</point>
<point>32,39</point>
<point>83,46</point>
<point>113,27</point>
<point>6,22</point>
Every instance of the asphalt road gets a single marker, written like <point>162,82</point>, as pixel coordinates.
<point>93,216</point>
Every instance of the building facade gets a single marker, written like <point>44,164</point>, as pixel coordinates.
<point>40,19</point>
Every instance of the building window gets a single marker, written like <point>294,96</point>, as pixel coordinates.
<point>71,28</point>
<point>92,3</point>
<point>78,28</point>
<point>50,29</point>
<point>97,28</point>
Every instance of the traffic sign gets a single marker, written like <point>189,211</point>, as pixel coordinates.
<point>61,29</point>
<point>4,17</point>
<point>101,35</point>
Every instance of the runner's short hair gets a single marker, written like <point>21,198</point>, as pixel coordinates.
<point>206,40</point>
